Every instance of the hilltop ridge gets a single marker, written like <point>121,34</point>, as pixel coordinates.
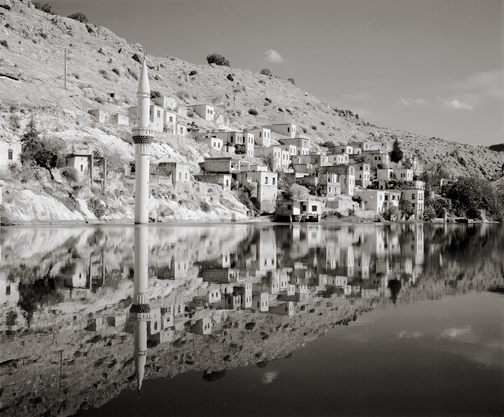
<point>102,69</point>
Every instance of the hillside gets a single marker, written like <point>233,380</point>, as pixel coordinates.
<point>102,74</point>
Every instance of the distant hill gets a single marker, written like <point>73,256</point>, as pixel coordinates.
<point>102,75</point>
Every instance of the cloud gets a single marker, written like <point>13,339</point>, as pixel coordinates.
<point>360,97</point>
<point>484,83</point>
<point>273,56</point>
<point>409,335</point>
<point>412,101</point>
<point>453,103</point>
<point>269,377</point>
<point>454,332</point>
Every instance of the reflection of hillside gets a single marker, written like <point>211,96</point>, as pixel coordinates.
<point>220,297</point>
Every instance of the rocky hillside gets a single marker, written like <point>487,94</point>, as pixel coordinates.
<point>102,74</point>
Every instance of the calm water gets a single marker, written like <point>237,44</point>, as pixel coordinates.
<point>252,320</point>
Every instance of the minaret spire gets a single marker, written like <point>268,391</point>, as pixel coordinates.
<point>142,136</point>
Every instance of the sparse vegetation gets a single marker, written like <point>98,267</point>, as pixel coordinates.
<point>292,80</point>
<point>217,59</point>
<point>80,17</point>
<point>44,8</point>
<point>230,77</point>
<point>4,43</point>
<point>116,71</point>
<point>193,72</point>
<point>266,72</point>
<point>253,112</point>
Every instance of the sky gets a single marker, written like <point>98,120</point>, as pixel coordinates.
<point>431,67</point>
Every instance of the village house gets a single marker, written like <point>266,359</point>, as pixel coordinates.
<point>156,116</point>
<point>221,275</point>
<point>233,138</point>
<point>392,199</point>
<point>274,152</point>
<point>181,129</point>
<point>221,165</point>
<point>267,187</point>
<point>293,210</point>
<point>9,152</point>
<point>262,135</point>
<point>338,158</point>
<point>284,309</point>
<point>365,146</point>
<point>328,181</point>
<point>385,174</point>
<point>202,326</point>
<point>212,142</point>
<point>291,149</point>
<point>415,196</point>
<point>83,163</point>
<point>260,302</point>
<point>302,144</point>
<point>119,119</point>
<point>100,116</point>
<point>376,159</point>
<point>166,102</point>
<point>343,149</point>
<point>248,139</point>
<point>319,159</point>
<point>170,121</point>
<point>362,174</point>
<point>404,174</point>
<point>372,199</point>
<point>224,180</point>
<point>346,177</point>
<point>178,171</point>
<point>204,111</point>
<point>286,129</point>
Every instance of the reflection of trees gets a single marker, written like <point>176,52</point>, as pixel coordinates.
<point>34,296</point>
<point>395,287</point>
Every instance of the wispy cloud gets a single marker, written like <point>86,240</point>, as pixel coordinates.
<point>269,377</point>
<point>412,101</point>
<point>484,83</point>
<point>454,103</point>
<point>409,335</point>
<point>273,56</point>
<point>455,332</point>
<point>360,97</point>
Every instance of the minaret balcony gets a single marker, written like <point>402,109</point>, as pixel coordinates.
<point>142,135</point>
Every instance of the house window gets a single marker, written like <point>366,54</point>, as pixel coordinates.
<point>9,154</point>
<point>289,207</point>
<point>159,113</point>
<point>314,208</point>
<point>412,196</point>
<point>288,129</point>
<point>171,119</point>
<point>7,290</point>
<point>273,181</point>
<point>266,180</point>
<point>259,134</point>
<point>82,167</point>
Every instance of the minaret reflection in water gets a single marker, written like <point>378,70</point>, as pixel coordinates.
<point>140,309</point>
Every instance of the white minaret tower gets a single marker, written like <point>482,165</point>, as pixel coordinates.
<point>142,137</point>
<point>140,309</point>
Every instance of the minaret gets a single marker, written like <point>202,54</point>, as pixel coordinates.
<point>142,137</point>
<point>140,309</point>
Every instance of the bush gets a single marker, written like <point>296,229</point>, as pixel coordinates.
<point>193,72</point>
<point>266,72</point>
<point>116,71</point>
<point>217,59</point>
<point>96,207</point>
<point>4,44</point>
<point>205,207</point>
<point>70,174</point>
<point>253,112</point>
<point>80,17</point>
<point>391,213</point>
<point>133,73</point>
<point>44,7</point>
<point>155,94</point>
<point>239,149</point>
<point>292,80</point>
<point>230,77</point>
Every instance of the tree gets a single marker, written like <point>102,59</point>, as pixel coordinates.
<point>396,154</point>
<point>217,59</point>
<point>240,149</point>
<point>470,195</point>
<point>406,209</point>
<point>80,17</point>
<point>45,153</point>
<point>266,72</point>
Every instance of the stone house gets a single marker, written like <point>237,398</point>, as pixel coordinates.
<point>9,152</point>
<point>178,171</point>
<point>343,149</point>
<point>213,142</point>
<point>362,174</point>
<point>170,121</point>
<point>262,135</point>
<point>248,139</point>
<point>156,117</point>
<point>100,116</point>
<point>224,180</point>
<point>329,184</point>
<point>286,129</point>
<point>372,199</point>
<point>338,158</point>
<point>166,102</point>
<point>119,119</point>
<point>404,174</point>
<point>231,138</point>
<point>302,144</point>
<point>267,187</point>
<point>204,111</point>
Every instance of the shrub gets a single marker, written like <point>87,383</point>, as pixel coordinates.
<point>266,72</point>
<point>182,94</point>
<point>70,174</point>
<point>193,72</point>
<point>239,149</point>
<point>314,127</point>
<point>44,7</point>
<point>253,112</point>
<point>205,207</point>
<point>80,17</point>
<point>391,213</point>
<point>322,123</point>
<point>217,59</point>
<point>97,207</point>
<point>230,77</point>
<point>133,73</point>
<point>292,80</point>
<point>116,71</point>
<point>155,94</point>
<point>4,44</point>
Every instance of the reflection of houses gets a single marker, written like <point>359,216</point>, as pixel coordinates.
<point>75,275</point>
<point>9,292</point>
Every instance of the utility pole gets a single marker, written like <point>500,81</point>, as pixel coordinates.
<point>65,68</point>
